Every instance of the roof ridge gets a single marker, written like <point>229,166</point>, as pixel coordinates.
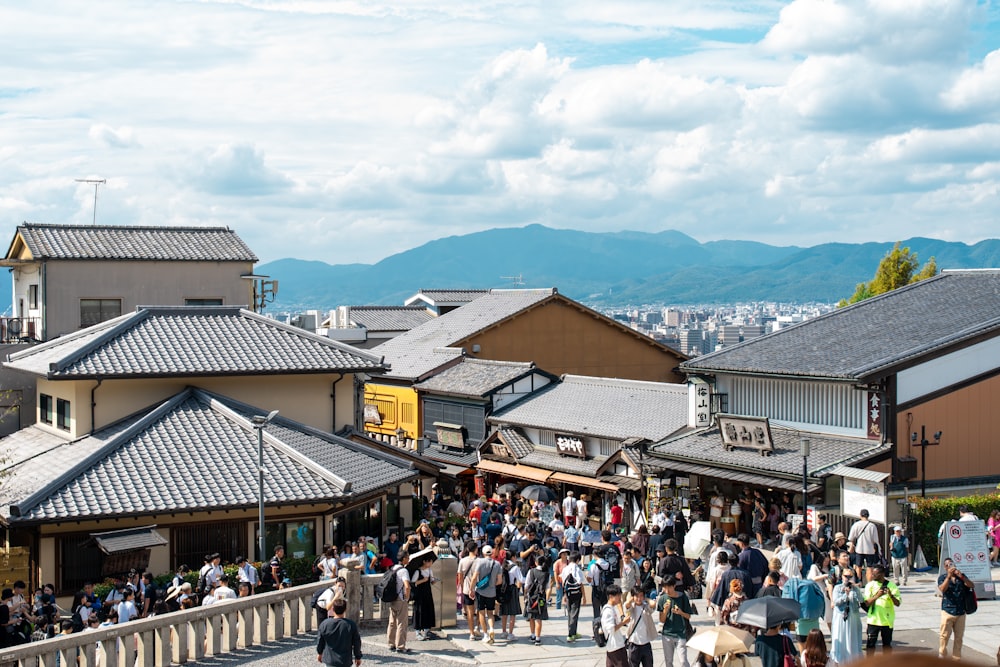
<point>31,501</point>
<point>343,347</point>
<point>596,380</point>
<point>58,225</point>
<point>126,323</point>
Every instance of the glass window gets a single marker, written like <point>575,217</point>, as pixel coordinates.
<point>45,409</point>
<point>78,564</point>
<point>95,311</point>
<point>33,297</point>
<point>298,538</point>
<point>62,414</point>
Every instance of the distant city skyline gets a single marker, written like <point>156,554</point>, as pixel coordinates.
<point>349,132</point>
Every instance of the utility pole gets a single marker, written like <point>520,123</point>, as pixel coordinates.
<point>95,182</point>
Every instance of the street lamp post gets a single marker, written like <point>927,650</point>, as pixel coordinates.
<point>924,444</point>
<point>804,445</point>
<point>259,422</point>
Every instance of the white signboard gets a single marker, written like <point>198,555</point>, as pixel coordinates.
<point>861,494</point>
<point>965,543</point>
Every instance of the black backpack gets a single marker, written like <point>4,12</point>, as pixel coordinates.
<point>317,594</point>
<point>599,637</point>
<point>77,621</point>
<point>386,589</point>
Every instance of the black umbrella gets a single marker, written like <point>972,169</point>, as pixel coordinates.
<point>538,492</point>
<point>768,612</point>
<point>509,487</point>
<point>417,559</point>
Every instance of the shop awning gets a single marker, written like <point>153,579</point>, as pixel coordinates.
<point>579,480</point>
<point>520,471</point>
<point>624,483</point>
<point>129,539</point>
<point>741,476</point>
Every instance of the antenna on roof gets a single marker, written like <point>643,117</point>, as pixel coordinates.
<point>95,182</point>
<point>516,281</point>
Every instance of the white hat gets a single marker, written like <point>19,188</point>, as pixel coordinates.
<point>487,550</point>
<point>899,528</point>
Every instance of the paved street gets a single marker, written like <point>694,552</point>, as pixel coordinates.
<point>916,630</point>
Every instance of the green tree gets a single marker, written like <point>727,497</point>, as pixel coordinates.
<point>899,267</point>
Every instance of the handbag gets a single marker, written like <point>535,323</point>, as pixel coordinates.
<point>788,658</point>
<point>970,601</point>
<point>689,630</point>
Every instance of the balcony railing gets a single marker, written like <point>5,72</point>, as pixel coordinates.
<point>20,329</point>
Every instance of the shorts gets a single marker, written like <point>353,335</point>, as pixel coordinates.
<point>467,602</point>
<point>864,560</point>
<point>484,603</point>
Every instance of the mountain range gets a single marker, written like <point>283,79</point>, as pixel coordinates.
<point>609,269</point>
<point>603,270</point>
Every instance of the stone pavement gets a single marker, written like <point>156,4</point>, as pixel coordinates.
<point>916,630</point>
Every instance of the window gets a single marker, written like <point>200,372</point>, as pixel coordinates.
<point>62,414</point>
<point>95,311</point>
<point>45,409</point>
<point>78,564</point>
<point>298,538</point>
<point>202,302</point>
<point>33,297</point>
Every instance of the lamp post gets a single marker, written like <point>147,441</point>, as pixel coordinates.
<point>259,422</point>
<point>804,445</point>
<point>924,444</point>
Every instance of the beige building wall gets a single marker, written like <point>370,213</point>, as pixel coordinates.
<point>302,398</point>
<point>64,283</point>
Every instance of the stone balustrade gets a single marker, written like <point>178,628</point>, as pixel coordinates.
<point>182,636</point>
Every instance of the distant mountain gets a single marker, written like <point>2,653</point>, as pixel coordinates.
<point>609,269</point>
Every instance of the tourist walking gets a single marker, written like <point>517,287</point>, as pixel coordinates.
<point>536,608</point>
<point>466,583</point>
<point>572,578</point>
<point>863,537</point>
<point>899,551</point>
<point>952,584</point>
<point>339,639</point>
<point>612,621</point>
<point>423,599</point>
<point>642,631</point>
<point>399,609</point>
<point>845,631</point>
<point>881,598</point>
<point>485,579</point>
<point>675,614</point>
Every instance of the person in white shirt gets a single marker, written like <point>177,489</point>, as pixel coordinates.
<point>558,529</point>
<point>612,622</point>
<point>569,508</point>
<point>572,593</point>
<point>223,591</point>
<point>581,510</point>
<point>126,608</point>
<point>642,630</point>
<point>247,573</point>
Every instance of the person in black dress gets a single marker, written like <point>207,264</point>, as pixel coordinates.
<point>423,600</point>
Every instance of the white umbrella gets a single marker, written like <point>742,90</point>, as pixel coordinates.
<point>720,640</point>
<point>698,539</point>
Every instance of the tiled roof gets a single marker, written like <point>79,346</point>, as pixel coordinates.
<point>448,296</point>
<point>452,456</point>
<point>871,337</point>
<point>557,463</point>
<point>191,341</point>
<point>390,318</point>
<point>602,408</point>
<point>128,539</point>
<point>208,244</point>
<point>195,452</point>
<point>476,377</point>
<point>519,445</point>
<point>827,452</point>
<point>412,354</point>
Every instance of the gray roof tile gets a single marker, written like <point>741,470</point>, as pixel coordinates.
<point>191,453</point>
<point>869,338</point>
<point>519,445</point>
<point>414,353</point>
<point>827,452</point>
<point>476,377</point>
<point>602,407</point>
<point>191,341</point>
<point>447,296</point>
<point>89,242</point>
<point>558,463</point>
<point>390,318</point>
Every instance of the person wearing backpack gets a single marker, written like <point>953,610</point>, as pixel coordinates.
<point>612,621</point>
<point>536,607</point>
<point>572,578</point>
<point>465,583</point>
<point>399,609</point>
<point>599,576</point>
<point>509,597</point>
<point>899,551</point>
<point>485,579</point>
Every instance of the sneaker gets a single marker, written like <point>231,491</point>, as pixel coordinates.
<point>538,641</point>
<point>577,636</point>
<point>472,638</point>
<point>392,649</point>
<point>486,639</point>
<point>404,651</point>
<point>531,638</point>
<point>570,638</point>
<point>491,639</point>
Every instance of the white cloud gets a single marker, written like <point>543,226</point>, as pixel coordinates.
<point>122,137</point>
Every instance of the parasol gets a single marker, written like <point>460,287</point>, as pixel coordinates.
<point>768,612</point>
<point>418,557</point>
<point>721,639</point>
<point>537,492</point>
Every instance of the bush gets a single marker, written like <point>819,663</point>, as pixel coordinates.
<point>932,512</point>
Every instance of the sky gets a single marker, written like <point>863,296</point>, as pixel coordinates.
<point>347,131</point>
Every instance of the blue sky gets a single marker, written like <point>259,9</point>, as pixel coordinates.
<point>346,131</point>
